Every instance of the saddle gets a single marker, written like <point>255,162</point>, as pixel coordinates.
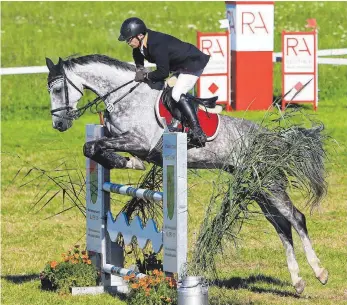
<point>206,109</point>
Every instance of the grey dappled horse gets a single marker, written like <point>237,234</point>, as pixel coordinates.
<point>133,127</point>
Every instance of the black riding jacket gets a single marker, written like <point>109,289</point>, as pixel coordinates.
<point>169,54</point>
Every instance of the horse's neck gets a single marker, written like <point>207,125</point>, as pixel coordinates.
<point>102,78</point>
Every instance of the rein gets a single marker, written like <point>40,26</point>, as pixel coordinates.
<point>75,114</point>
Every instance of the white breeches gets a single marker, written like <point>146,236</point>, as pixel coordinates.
<point>184,83</point>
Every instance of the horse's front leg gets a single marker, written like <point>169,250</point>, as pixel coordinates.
<point>103,152</point>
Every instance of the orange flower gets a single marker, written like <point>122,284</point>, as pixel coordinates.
<point>63,255</point>
<point>134,286</point>
<point>132,275</point>
<point>89,262</point>
<point>54,264</point>
<point>168,299</point>
<point>66,259</point>
<point>144,285</point>
<point>126,278</point>
<point>76,255</point>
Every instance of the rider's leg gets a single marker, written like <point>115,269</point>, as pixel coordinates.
<point>184,83</point>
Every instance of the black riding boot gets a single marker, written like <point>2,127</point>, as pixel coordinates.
<point>188,112</point>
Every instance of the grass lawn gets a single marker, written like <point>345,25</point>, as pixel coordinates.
<point>255,272</point>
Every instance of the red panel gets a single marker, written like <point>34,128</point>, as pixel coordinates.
<point>252,80</point>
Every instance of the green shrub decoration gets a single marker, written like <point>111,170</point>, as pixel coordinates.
<point>75,270</point>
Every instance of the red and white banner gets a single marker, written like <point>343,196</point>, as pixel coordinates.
<point>251,26</point>
<point>215,79</point>
<point>299,68</point>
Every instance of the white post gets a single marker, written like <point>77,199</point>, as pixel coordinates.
<point>99,244</point>
<point>175,238</point>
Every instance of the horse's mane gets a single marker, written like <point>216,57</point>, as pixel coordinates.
<point>97,58</point>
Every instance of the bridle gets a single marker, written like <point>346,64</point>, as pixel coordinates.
<point>72,114</point>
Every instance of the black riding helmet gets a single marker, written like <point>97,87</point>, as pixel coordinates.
<point>132,27</point>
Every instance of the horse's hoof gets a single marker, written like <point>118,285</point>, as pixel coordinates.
<point>300,286</point>
<point>135,163</point>
<point>323,276</point>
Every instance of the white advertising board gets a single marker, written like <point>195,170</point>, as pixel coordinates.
<point>215,80</point>
<point>299,67</point>
<point>251,26</point>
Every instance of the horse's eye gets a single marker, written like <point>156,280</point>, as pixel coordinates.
<point>58,90</point>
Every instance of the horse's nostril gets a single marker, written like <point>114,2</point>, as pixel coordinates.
<point>60,124</point>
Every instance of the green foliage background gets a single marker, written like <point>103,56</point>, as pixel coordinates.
<point>31,31</point>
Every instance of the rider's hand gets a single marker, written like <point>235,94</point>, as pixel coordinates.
<point>140,76</point>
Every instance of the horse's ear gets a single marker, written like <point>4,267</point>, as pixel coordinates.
<point>60,62</point>
<point>49,64</point>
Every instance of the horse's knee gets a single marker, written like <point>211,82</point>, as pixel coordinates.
<point>89,149</point>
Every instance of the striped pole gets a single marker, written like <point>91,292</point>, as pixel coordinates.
<point>119,271</point>
<point>148,195</point>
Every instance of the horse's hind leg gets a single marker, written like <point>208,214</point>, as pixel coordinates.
<point>320,272</point>
<point>284,231</point>
<point>282,202</point>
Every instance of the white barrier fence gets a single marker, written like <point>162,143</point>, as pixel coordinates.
<point>277,57</point>
<point>103,230</point>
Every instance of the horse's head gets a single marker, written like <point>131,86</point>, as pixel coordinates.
<point>65,94</point>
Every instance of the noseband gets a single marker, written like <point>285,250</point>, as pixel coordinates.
<point>72,114</point>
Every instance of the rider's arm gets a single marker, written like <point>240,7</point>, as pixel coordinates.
<point>161,55</point>
<point>138,58</point>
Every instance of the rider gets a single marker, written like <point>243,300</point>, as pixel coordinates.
<point>170,55</point>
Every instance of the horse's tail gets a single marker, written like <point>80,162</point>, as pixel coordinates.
<point>307,160</point>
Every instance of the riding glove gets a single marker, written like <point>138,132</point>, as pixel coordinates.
<point>140,76</point>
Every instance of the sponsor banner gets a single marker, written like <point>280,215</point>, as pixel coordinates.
<point>299,53</point>
<point>215,80</point>
<point>299,68</point>
<point>251,25</point>
<point>214,85</point>
<point>299,88</point>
